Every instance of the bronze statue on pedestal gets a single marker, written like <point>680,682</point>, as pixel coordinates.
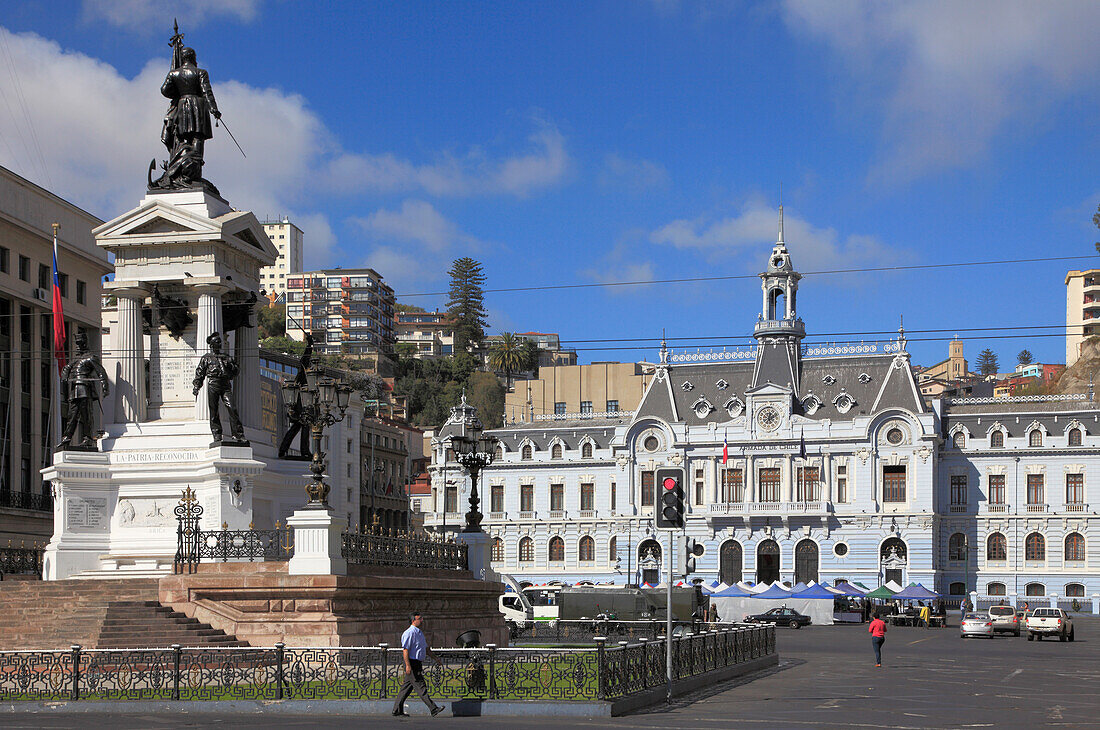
<point>218,371</point>
<point>78,386</point>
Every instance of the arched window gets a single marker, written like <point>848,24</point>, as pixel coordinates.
<point>730,560</point>
<point>586,549</point>
<point>498,454</point>
<point>1035,589</point>
<point>767,562</point>
<point>556,551</point>
<point>959,439</point>
<point>1075,547</point>
<point>498,549</point>
<point>956,547</point>
<point>1075,590</point>
<point>995,589</point>
<point>526,550</point>
<point>555,451</point>
<point>1035,438</point>
<point>997,440</point>
<point>956,589</point>
<point>525,454</point>
<point>996,547</point>
<point>1035,547</point>
<point>1075,437</point>
<point>805,561</point>
<point>586,451</point>
<point>612,550</point>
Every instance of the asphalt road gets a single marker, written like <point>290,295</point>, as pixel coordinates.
<point>826,678</point>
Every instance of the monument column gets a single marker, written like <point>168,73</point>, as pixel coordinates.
<point>247,351</point>
<point>130,353</point>
<point>209,322</point>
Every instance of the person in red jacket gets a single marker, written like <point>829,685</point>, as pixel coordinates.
<point>878,637</point>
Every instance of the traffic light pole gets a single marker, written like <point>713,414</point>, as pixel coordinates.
<point>668,616</point>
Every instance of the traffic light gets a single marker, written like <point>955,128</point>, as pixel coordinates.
<point>670,498</point>
<point>692,550</point>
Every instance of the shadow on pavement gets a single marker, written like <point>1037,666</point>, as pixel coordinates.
<point>702,694</point>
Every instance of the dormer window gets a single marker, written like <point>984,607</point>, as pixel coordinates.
<point>734,407</point>
<point>828,380</point>
<point>687,386</point>
<point>997,440</point>
<point>959,439</point>
<point>721,384</point>
<point>844,402</point>
<point>1075,437</point>
<point>864,378</point>
<point>702,407</point>
<point>1035,438</point>
<point>811,403</point>
<point>555,451</point>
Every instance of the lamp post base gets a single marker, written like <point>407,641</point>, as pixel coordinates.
<point>318,542</point>
<point>479,554</point>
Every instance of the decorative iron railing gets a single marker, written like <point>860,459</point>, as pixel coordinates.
<point>26,500</point>
<point>21,560</point>
<point>585,631</point>
<point>401,550</point>
<point>376,672</point>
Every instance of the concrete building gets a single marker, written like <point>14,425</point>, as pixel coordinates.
<point>1082,308</point>
<point>599,387</point>
<point>383,488</point>
<point>27,213</point>
<point>551,353</point>
<point>287,238</point>
<point>430,333</point>
<point>348,311</point>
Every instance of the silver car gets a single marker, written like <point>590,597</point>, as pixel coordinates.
<point>976,624</point>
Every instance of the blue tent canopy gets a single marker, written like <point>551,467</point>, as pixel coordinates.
<point>818,591</point>
<point>732,592</point>
<point>847,589</point>
<point>914,592</point>
<point>799,586</point>
<point>774,592</point>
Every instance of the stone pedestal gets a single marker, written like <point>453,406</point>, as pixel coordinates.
<point>479,555</point>
<point>318,543</point>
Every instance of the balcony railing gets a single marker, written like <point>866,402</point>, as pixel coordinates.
<point>557,514</point>
<point>960,508</point>
<point>769,508</point>
<point>26,500</point>
<point>996,508</point>
<point>1076,507</point>
<point>1037,508</point>
<point>527,515</point>
<point>498,515</point>
<point>587,513</point>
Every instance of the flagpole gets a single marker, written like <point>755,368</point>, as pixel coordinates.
<point>55,410</point>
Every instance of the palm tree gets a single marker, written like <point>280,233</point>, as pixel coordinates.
<point>508,355</point>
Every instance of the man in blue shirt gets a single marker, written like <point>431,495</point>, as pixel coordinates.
<point>414,647</point>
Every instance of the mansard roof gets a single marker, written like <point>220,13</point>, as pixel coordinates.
<point>875,382</point>
<point>572,432</point>
<point>1016,415</point>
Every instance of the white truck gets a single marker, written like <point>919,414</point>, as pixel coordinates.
<point>1049,622</point>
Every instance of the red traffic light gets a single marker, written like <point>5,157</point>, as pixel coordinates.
<point>670,483</point>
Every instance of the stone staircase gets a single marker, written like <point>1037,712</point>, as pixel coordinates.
<point>118,613</point>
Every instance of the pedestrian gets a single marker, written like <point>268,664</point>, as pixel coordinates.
<point>877,630</point>
<point>925,615</point>
<point>414,648</point>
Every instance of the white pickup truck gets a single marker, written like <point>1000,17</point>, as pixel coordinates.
<point>1049,622</point>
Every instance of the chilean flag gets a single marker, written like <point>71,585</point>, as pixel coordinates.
<point>725,447</point>
<point>58,315</point>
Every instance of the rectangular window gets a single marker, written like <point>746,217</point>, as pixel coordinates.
<point>769,485</point>
<point>25,385</point>
<point>557,497</point>
<point>648,485</point>
<point>699,496</point>
<point>842,483</point>
<point>893,484</point>
<point>25,475</point>
<point>586,406</point>
<point>733,485</point>
<point>612,406</point>
<point>996,488</point>
<point>25,414</point>
<point>588,497</point>
<point>808,487</point>
<point>5,261</point>
<point>43,276</point>
<point>81,292</point>
<point>450,501</point>
<point>1035,489</point>
<point>1075,488</point>
<point>63,284</point>
<point>25,324</point>
<point>496,498</point>
<point>958,489</point>
<point>612,496</point>
<point>559,408</point>
<point>526,498</point>
<point>24,268</point>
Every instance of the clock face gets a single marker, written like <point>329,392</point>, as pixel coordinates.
<point>768,418</point>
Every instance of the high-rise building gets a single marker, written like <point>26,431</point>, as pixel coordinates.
<point>1082,310</point>
<point>27,429</point>
<point>287,238</point>
<point>430,333</point>
<point>346,310</point>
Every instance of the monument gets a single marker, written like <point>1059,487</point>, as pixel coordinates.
<point>181,344</point>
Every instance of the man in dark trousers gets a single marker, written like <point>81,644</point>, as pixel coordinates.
<point>414,648</point>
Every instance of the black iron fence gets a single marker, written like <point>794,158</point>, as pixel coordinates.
<point>26,500</point>
<point>21,560</point>
<point>402,550</point>
<point>281,672</point>
<point>585,631</point>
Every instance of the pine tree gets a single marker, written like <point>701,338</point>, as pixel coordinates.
<point>1025,357</point>
<point>987,362</point>
<point>466,303</point>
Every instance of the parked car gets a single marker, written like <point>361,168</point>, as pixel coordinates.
<point>1004,620</point>
<point>781,616</point>
<point>1049,622</point>
<point>976,624</point>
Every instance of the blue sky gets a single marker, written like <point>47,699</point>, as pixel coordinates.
<point>594,142</point>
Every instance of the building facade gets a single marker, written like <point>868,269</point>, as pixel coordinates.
<point>599,387</point>
<point>347,310</point>
<point>802,462</point>
<point>1082,309</point>
<point>429,334</point>
<point>383,484</point>
<point>287,238</point>
<point>27,431</point>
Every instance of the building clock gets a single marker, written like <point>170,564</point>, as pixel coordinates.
<point>768,418</point>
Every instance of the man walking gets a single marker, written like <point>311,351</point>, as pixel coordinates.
<point>877,630</point>
<point>414,647</point>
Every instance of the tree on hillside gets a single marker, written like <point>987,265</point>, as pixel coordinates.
<point>508,355</point>
<point>402,307</point>
<point>485,393</point>
<point>284,345</point>
<point>1025,357</point>
<point>530,357</point>
<point>272,321</point>
<point>466,302</point>
<point>987,362</point>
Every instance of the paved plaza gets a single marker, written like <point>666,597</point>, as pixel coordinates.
<point>826,678</point>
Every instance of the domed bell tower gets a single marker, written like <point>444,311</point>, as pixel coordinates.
<point>779,329</point>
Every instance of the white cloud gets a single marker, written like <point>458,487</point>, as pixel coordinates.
<point>755,228</point>
<point>474,173</point>
<point>954,74</point>
<point>622,263</point>
<point>148,15</point>
<point>635,175</point>
<point>416,222</point>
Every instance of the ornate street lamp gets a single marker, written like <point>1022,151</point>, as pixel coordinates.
<point>324,401</point>
<point>474,451</point>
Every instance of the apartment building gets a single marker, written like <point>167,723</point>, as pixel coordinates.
<point>430,333</point>
<point>599,387</point>
<point>287,238</point>
<point>347,310</point>
<point>1082,309</point>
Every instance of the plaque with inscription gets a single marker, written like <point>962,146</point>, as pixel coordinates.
<point>172,368</point>
<point>86,513</point>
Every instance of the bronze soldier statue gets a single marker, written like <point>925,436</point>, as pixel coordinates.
<point>294,410</point>
<point>78,381</point>
<point>218,370</point>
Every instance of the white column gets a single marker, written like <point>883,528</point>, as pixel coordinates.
<point>716,472</point>
<point>788,479</point>
<point>247,386</point>
<point>750,478</point>
<point>130,353</point>
<point>827,475</point>
<point>209,322</point>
